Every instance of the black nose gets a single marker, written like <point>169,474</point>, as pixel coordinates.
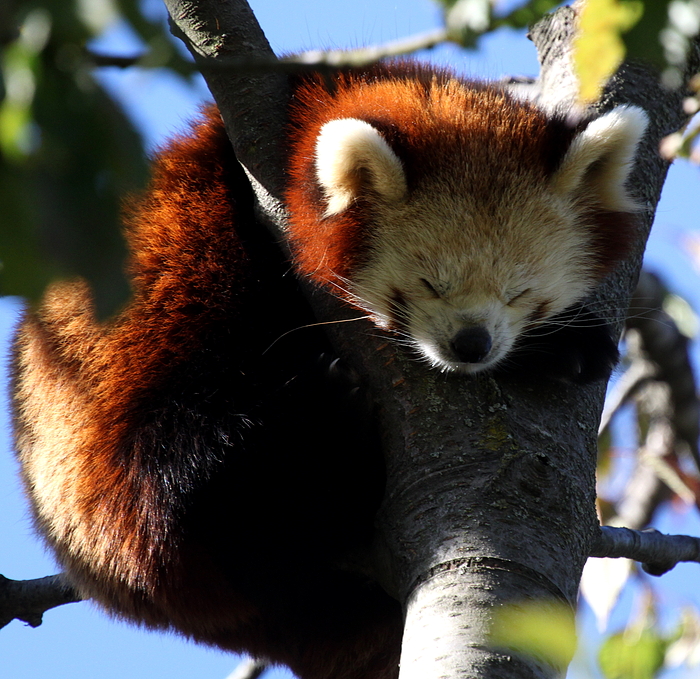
<point>471,345</point>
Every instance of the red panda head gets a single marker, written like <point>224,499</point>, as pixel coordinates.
<point>451,212</point>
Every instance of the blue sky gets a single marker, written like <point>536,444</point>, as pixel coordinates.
<point>80,641</point>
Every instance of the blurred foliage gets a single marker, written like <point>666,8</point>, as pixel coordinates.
<point>658,32</point>
<point>545,630</point>
<point>632,656</point>
<point>466,20</point>
<point>68,153</point>
<point>643,39</point>
<point>599,49</point>
<point>640,650</point>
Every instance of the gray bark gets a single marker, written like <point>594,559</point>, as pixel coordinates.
<point>491,482</point>
<point>28,600</point>
<point>658,552</point>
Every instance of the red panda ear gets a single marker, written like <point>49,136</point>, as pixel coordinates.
<point>352,157</point>
<point>600,158</point>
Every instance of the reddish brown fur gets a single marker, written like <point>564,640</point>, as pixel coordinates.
<point>192,472</point>
<point>186,258</point>
<point>171,505</point>
<point>428,117</point>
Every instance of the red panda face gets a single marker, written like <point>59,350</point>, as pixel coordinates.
<point>461,277</point>
<point>451,222</point>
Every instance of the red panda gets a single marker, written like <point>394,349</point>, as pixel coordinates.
<point>189,461</point>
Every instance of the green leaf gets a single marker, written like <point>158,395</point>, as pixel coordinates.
<point>160,44</point>
<point>542,629</point>
<point>598,49</point>
<point>632,655</point>
<point>642,41</point>
<point>68,157</point>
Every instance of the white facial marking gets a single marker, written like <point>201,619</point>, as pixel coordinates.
<point>350,153</point>
<point>610,141</point>
<point>462,280</point>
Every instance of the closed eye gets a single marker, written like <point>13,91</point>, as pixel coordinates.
<point>518,296</point>
<point>429,287</point>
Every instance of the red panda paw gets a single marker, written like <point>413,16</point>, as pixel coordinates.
<point>575,346</point>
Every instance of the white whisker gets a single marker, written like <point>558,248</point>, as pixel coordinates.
<point>312,325</point>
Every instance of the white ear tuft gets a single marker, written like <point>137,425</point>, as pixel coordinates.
<point>352,156</point>
<point>600,159</point>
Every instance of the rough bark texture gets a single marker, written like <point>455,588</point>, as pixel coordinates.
<point>491,482</point>
<point>216,31</point>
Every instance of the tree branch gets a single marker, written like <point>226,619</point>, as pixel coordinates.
<point>660,379</point>
<point>312,60</point>
<point>667,348</point>
<point>657,552</point>
<point>249,668</point>
<point>633,379</point>
<point>251,104</point>
<point>28,600</point>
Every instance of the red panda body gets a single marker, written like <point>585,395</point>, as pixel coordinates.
<point>190,464</point>
<point>179,457</point>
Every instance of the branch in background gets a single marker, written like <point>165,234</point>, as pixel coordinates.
<point>661,355</point>
<point>645,490</point>
<point>658,553</point>
<point>660,378</point>
<point>660,382</point>
<point>28,600</point>
<point>368,55</point>
<point>105,60</point>
<point>633,379</point>
<point>667,348</point>
<point>306,61</point>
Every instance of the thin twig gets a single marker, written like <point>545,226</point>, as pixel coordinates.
<point>368,55</point>
<point>305,61</point>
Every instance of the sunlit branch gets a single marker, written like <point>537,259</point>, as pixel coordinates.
<point>635,377</point>
<point>305,61</point>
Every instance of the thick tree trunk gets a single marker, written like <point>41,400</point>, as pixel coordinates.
<point>491,482</point>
